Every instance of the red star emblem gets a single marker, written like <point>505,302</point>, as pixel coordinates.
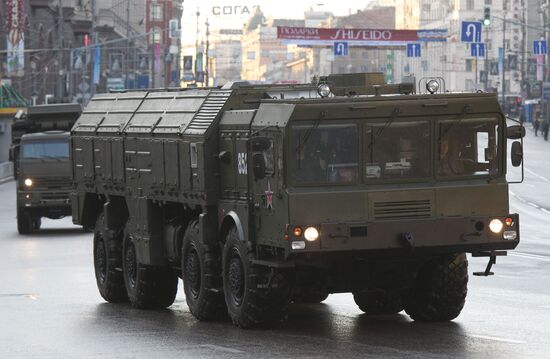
<point>269,197</point>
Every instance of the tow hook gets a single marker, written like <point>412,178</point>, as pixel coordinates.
<point>492,260</point>
<point>408,238</point>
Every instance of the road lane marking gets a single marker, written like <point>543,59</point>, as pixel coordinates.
<point>536,175</point>
<point>32,296</point>
<point>530,256</point>
<point>529,203</point>
<point>497,339</point>
<point>220,348</point>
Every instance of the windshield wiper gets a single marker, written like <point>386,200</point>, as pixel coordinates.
<point>388,123</point>
<point>52,158</point>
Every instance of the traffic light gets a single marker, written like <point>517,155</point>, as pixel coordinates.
<point>486,16</point>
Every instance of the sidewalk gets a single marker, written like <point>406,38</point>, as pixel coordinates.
<point>6,172</point>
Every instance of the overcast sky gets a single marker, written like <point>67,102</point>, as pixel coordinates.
<point>239,10</point>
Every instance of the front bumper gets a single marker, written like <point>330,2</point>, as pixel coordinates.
<point>445,234</point>
<point>45,201</point>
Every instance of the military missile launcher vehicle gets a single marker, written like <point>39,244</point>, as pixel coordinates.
<point>40,152</point>
<point>258,196</point>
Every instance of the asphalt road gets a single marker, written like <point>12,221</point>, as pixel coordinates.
<point>50,307</point>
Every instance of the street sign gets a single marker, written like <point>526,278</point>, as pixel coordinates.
<point>413,50</point>
<point>471,31</point>
<point>341,48</point>
<point>540,47</point>
<point>477,49</point>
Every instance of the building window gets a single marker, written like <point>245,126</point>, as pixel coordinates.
<point>488,2</point>
<point>157,34</point>
<point>156,12</point>
<point>469,4</point>
<point>251,55</point>
<point>426,7</point>
<point>265,53</point>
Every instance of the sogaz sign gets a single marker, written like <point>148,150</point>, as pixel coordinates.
<point>234,10</point>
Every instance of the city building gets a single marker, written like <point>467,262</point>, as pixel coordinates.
<point>64,54</point>
<point>500,67</point>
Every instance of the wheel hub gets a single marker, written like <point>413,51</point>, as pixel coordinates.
<point>236,279</point>
<point>101,260</point>
<point>193,272</point>
<point>131,265</point>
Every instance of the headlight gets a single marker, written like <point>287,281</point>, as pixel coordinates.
<point>496,225</point>
<point>432,86</point>
<point>28,182</point>
<point>323,90</point>
<point>311,234</point>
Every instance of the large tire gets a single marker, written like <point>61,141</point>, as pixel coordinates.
<point>202,276</point>
<point>24,222</point>
<point>379,301</point>
<point>255,295</point>
<point>148,287</point>
<point>108,263</point>
<point>440,289</point>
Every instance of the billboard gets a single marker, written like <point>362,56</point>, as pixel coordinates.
<point>15,23</point>
<point>310,36</point>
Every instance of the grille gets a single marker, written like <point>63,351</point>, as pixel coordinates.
<point>52,182</point>
<point>403,209</point>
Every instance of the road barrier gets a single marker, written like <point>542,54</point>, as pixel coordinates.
<point>6,171</point>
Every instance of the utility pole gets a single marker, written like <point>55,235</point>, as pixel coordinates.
<point>197,46</point>
<point>126,83</point>
<point>93,50</point>
<point>523,49</point>
<point>206,53</point>
<point>502,96</point>
<point>60,67</point>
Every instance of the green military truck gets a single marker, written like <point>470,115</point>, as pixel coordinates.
<point>259,196</point>
<point>40,151</point>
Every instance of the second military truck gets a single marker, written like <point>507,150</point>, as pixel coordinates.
<point>40,151</point>
<point>259,196</point>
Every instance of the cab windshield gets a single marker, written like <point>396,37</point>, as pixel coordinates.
<point>468,147</point>
<point>400,150</point>
<point>323,153</point>
<point>45,149</point>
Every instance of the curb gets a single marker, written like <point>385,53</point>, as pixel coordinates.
<point>6,180</point>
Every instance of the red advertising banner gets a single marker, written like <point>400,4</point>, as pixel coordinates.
<point>15,23</point>
<point>356,37</point>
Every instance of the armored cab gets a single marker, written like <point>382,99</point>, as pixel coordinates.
<point>259,196</point>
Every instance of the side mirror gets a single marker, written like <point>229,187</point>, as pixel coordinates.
<point>515,132</point>
<point>516,153</point>
<point>260,144</point>
<point>258,163</point>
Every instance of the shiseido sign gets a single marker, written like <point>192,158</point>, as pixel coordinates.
<point>313,36</point>
<point>309,33</point>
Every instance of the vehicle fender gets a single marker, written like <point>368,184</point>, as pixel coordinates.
<point>232,217</point>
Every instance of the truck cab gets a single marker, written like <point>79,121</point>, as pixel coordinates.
<point>43,179</point>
